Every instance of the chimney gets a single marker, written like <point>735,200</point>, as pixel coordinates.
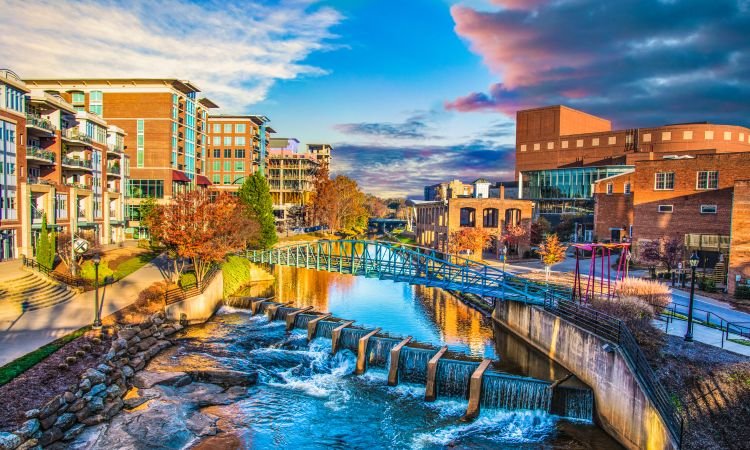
<point>502,191</point>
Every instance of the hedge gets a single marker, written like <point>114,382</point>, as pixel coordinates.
<point>236,274</point>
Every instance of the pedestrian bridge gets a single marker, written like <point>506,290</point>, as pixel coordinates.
<point>408,263</point>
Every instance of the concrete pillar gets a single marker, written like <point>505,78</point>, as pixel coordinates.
<point>313,324</point>
<point>256,304</point>
<point>475,391</point>
<point>336,334</point>
<point>293,315</point>
<point>271,310</point>
<point>430,392</point>
<point>362,352</point>
<point>395,355</point>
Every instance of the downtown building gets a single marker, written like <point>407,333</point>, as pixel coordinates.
<point>562,152</point>
<point>164,123</point>
<point>57,161</point>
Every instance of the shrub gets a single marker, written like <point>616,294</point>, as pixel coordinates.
<point>88,271</point>
<point>707,284</point>
<point>648,291</point>
<point>637,316</point>
<point>188,279</point>
<point>236,273</point>
<point>742,292</point>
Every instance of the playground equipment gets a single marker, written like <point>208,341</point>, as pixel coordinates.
<point>602,252</point>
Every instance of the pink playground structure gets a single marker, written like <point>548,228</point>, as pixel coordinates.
<point>602,252</point>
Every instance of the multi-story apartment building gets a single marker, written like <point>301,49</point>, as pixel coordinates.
<point>58,162</point>
<point>291,174</point>
<point>165,128</point>
<point>699,199</point>
<point>322,153</point>
<point>235,145</point>
<point>562,152</point>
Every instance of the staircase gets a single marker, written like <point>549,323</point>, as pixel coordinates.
<point>30,292</point>
<point>719,273</point>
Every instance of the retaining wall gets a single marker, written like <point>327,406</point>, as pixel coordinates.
<point>621,406</point>
<point>200,308</point>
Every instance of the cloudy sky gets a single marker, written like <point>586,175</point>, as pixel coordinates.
<point>410,92</point>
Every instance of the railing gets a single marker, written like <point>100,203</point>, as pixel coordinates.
<point>115,149</point>
<point>706,318</point>
<point>78,185</point>
<point>113,169</point>
<point>39,122</point>
<point>82,163</point>
<point>36,214</point>
<point>178,294</point>
<point>616,331</point>
<point>67,279</point>
<point>38,152</point>
<point>75,134</point>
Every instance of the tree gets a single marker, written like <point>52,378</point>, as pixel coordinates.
<point>551,252</point>
<point>256,196</point>
<point>375,206</point>
<point>539,230</point>
<point>202,230</point>
<point>472,239</point>
<point>45,245</point>
<point>667,251</point>
<point>147,211</point>
<point>514,234</point>
<point>339,204</point>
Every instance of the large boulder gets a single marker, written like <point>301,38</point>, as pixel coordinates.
<point>225,377</point>
<point>146,379</point>
<point>9,441</point>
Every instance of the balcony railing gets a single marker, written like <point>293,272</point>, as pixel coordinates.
<point>82,163</point>
<point>76,135</point>
<point>118,149</point>
<point>113,169</point>
<point>707,241</point>
<point>32,151</point>
<point>82,215</point>
<point>78,185</point>
<point>36,214</point>
<point>39,122</point>
<point>37,180</point>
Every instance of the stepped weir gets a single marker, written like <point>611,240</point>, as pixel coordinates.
<point>444,374</point>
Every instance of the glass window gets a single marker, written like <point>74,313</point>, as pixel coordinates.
<point>626,188</point>
<point>216,178</point>
<point>708,179</point>
<point>217,166</point>
<point>467,217</point>
<point>227,166</point>
<point>217,153</point>
<point>610,188</point>
<point>227,152</point>
<point>227,128</point>
<point>217,128</point>
<point>239,166</point>
<point>227,140</point>
<point>139,125</point>
<point>665,208</point>
<point>239,153</point>
<point>227,179</point>
<point>239,140</point>
<point>217,140</point>
<point>78,97</point>
<point>664,181</point>
<point>708,209</point>
<point>146,188</point>
<point>239,128</point>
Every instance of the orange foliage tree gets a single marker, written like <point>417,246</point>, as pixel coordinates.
<point>514,234</point>
<point>551,252</point>
<point>203,230</point>
<point>472,239</point>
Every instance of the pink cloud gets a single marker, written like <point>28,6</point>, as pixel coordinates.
<point>519,4</point>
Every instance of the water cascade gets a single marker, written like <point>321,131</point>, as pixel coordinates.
<point>412,364</point>
<point>325,328</point>
<point>573,402</point>
<point>301,320</point>
<point>350,338</point>
<point>505,391</point>
<point>453,377</point>
<point>379,351</point>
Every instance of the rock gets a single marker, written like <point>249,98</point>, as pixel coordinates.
<point>85,385</point>
<point>201,424</point>
<point>83,413</point>
<point>132,350</point>
<point>225,377</point>
<point>80,353</point>
<point>137,363</point>
<point>31,443</point>
<point>70,360</point>
<point>73,432</point>
<point>146,379</point>
<point>127,371</point>
<point>110,355</point>
<point>168,330</point>
<point>103,368</point>
<point>146,343</point>
<point>95,420</point>
<point>177,326</point>
<point>65,421</point>
<point>127,333</point>
<point>133,341</point>
<point>97,391</point>
<point>96,404</point>
<point>236,392</point>
<point>96,341</point>
<point>147,332</point>
<point>112,408</point>
<point>48,421</point>
<point>79,393</point>
<point>77,405</point>
<point>163,343</point>
<point>119,343</point>
<point>63,366</point>
<point>94,376</point>
<point>50,436</point>
<point>86,347</point>
<point>51,406</point>
<point>69,397</point>
<point>9,441</point>
<point>113,391</point>
<point>28,428</point>
<point>31,414</point>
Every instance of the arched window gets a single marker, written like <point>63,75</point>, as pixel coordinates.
<point>490,218</point>
<point>468,217</point>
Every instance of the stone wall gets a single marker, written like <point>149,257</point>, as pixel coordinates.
<point>200,308</point>
<point>621,406</point>
<point>99,394</point>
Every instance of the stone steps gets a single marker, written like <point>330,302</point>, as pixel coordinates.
<point>31,292</point>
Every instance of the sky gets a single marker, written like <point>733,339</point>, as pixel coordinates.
<point>409,92</point>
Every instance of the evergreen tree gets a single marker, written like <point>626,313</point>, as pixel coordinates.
<point>45,245</point>
<point>256,195</point>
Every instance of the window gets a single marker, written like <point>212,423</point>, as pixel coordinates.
<point>595,142</point>
<point>78,98</point>
<point>612,140</point>
<point>742,137</point>
<point>140,143</point>
<point>626,188</point>
<point>227,179</point>
<point>239,140</point>
<point>239,128</point>
<point>647,137</point>
<point>217,128</point>
<point>708,209</point>
<point>217,140</point>
<point>665,208</point>
<point>146,188</point>
<point>217,153</point>
<point>628,138</point>
<point>227,166</point>
<point>490,218</point>
<point>708,179</point>
<point>95,102</point>
<point>537,146</point>
<point>227,128</point>
<point>666,135</point>
<point>579,143</point>
<point>610,188</point>
<point>468,217</point>
<point>216,178</point>
<point>239,166</point>
<point>727,135</point>
<point>523,147</point>
<point>217,166</point>
<point>564,144</point>
<point>227,140</point>
<point>239,153</point>
<point>550,145</point>
<point>709,135</point>
<point>227,152</point>
<point>687,135</point>
<point>664,181</point>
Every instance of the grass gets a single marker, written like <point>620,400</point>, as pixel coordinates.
<point>120,271</point>
<point>739,341</point>
<point>18,366</point>
<point>188,279</point>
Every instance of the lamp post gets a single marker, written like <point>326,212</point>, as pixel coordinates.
<point>97,320</point>
<point>694,260</point>
<point>503,252</point>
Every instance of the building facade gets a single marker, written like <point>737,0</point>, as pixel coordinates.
<point>58,162</point>
<point>291,178</point>
<point>165,127</point>
<point>322,152</point>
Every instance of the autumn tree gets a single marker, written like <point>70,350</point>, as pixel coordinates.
<point>339,204</point>
<point>202,230</point>
<point>472,239</point>
<point>514,235</point>
<point>667,251</point>
<point>255,194</point>
<point>375,206</point>
<point>551,252</point>
<point>539,228</point>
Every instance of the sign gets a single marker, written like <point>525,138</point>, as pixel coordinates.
<point>80,246</point>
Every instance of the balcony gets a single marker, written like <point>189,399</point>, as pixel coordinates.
<point>74,135</point>
<point>709,242</point>
<point>38,154</point>
<point>40,123</point>
<point>78,185</point>
<point>114,170</point>
<point>115,150</point>
<point>76,164</point>
<point>37,180</point>
<point>82,215</point>
<point>36,214</point>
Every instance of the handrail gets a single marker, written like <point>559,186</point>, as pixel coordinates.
<point>67,279</point>
<point>712,320</point>
<point>179,293</point>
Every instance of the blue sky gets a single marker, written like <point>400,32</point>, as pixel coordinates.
<point>409,92</point>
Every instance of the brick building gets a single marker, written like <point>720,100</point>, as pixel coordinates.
<point>291,175</point>
<point>561,152</point>
<point>698,199</point>
<point>165,126</point>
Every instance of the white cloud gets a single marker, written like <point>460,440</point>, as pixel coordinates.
<point>233,51</point>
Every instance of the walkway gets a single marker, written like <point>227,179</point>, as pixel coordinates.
<point>36,328</point>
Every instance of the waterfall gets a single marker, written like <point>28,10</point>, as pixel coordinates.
<point>511,392</point>
<point>412,364</point>
<point>350,337</point>
<point>325,329</point>
<point>379,351</point>
<point>573,402</point>
<point>282,312</point>
<point>301,320</point>
<point>263,306</point>
<point>453,377</point>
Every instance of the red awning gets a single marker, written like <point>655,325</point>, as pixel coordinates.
<point>202,181</point>
<point>179,176</point>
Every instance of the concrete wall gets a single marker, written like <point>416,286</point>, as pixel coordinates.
<point>621,406</point>
<point>201,307</point>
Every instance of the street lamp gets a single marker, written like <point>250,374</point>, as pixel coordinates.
<point>503,253</point>
<point>694,260</point>
<point>97,320</point>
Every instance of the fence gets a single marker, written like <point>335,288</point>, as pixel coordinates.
<point>706,318</point>
<point>180,293</point>
<point>67,279</point>
<point>616,331</point>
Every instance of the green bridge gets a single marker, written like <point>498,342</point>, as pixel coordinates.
<point>411,264</point>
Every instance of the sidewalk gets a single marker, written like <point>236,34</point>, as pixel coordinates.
<point>36,328</point>
<point>710,336</point>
